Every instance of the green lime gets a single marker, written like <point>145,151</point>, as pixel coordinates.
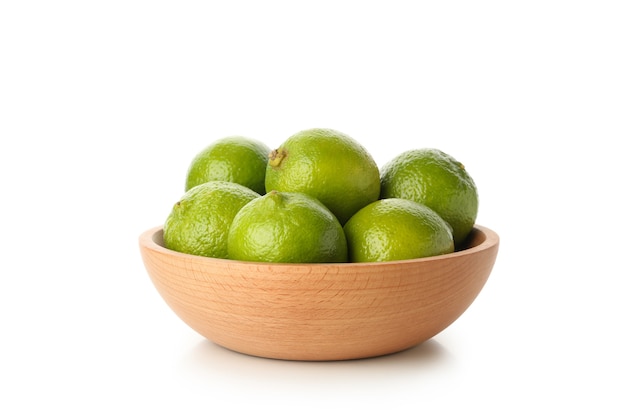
<point>198,223</point>
<point>437,180</point>
<point>396,229</point>
<point>328,165</point>
<point>237,159</point>
<point>286,227</point>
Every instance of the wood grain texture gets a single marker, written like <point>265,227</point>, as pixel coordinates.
<point>319,311</point>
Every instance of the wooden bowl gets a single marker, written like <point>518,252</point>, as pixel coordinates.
<point>319,311</point>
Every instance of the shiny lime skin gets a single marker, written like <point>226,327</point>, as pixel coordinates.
<point>237,159</point>
<point>396,229</point>
<point>198,223</point>
<point>328,165</point>
<point>286,228</point>
<point>433,178</point>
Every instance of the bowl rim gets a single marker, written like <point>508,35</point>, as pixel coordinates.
<point>149,240</point>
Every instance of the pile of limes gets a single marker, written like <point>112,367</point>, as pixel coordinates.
<point>320,197</point>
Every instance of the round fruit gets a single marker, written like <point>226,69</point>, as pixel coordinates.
<point>237,159</point>
<point>198,224</point>
<point>328,165</point>
<point>437,180</point>
<point>396,229</point>
<point>286,227</point>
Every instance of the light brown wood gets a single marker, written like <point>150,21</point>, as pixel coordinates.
<point>319,311</point>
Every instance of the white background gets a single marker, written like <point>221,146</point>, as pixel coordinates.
<point>103,105</point>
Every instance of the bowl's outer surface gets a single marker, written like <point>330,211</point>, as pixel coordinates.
<point>319,311</point>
